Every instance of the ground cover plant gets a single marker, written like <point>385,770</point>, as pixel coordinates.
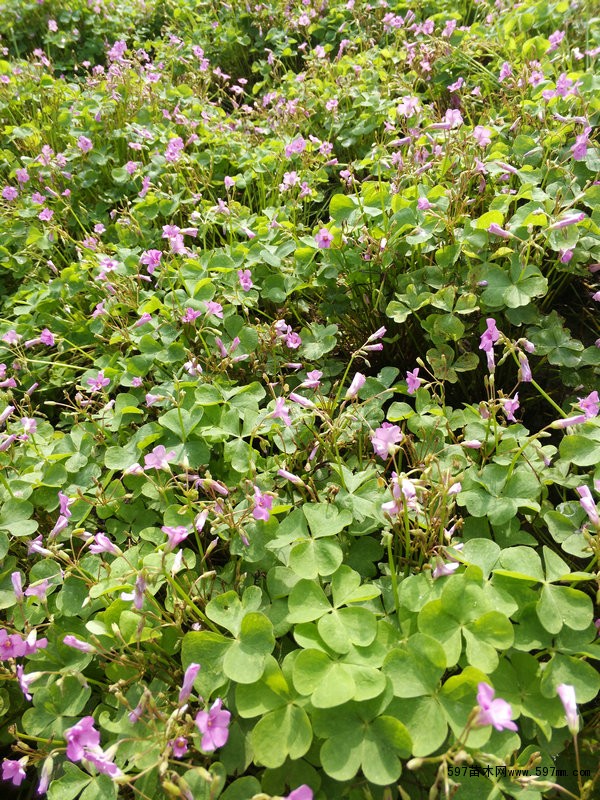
<point>299,412</point>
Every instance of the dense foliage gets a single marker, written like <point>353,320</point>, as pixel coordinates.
<point>299,433</point>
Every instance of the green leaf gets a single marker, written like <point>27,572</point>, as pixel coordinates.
<point>311,557</point>
<point>573,671</point>
<point>580,450</point>
<point>281,734</point>
<point>563,605</point>
<point>307,601</point>
<point>325,519</point>
<point>245,660</point>
<point>416,668</point>
<point>347,626</point>
<point>70,785</point>
<point>329,683</point>
<point>426,739</point>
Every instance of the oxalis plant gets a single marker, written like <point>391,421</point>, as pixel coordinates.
<point>299,438</point>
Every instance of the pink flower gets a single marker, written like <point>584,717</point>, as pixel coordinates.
<point>482,135</point>
<point>588,505</point>
<point>413,381</point>
<point>47,338</point>
<point>453,117</point>
<point>280,412</point>
<point>296,146</point>
<point>312,381</point>
<point>102,544</point>
<point>489,337</point>
<point>214,726</point>
<point>159,458</point>
<point>46,215</point>
<point>73,641</point>
<point>573,219</point>
<point>14,770</point>
<point>385,440</point>
<point>357,383</point>
<point>245,278</point>
<point>555,39</point>
<point>510,406</point>
<point>292,340</point>
<point>179,746</point>
<point>262,505</point>
<point>190,315</point>
<point>151,260</point>
<point>324,239</point>
<point>175,535</point>
<point>216,309</point>
<point>579,149</point>
<point>493,712</point>
<point>9,193</point>
<point>442,569</point>
<point>187,686</point>
<point>566,692</point>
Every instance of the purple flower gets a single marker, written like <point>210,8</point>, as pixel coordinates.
<point>498,231</point>
<point>176,535</point>
<point>566,221</point>
<point>245,279</point>
<point>159,458</point>
<point>190,315</point>
<point>488,338</point>
<point>505,71</point>
<point>46,215</point>
<point>357,383</point>
<point>137,596</point>
<point>214,726</point>
<point>413,381</point>
<point>493,712</point>
<point>590,405</point>
<point>292,340</point>
<point>26,680</point>
<point>15,578</point>
<point>524,369</point>
<point>323,239</point>
<point>262,505</point>
<point>385,440</point>
<point>73,641</point>
<point>303,792</point>
<point>11,645</point>
<point>14,770</point>
<point>99,382</point>
<point>188,682</point>
<point>566,692</point>
<point>80,737</point>
<point>10,193</point>
<point>443,569</point>
<point>102,544</point>
<point>85,144</point>
<point>568,421</point>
